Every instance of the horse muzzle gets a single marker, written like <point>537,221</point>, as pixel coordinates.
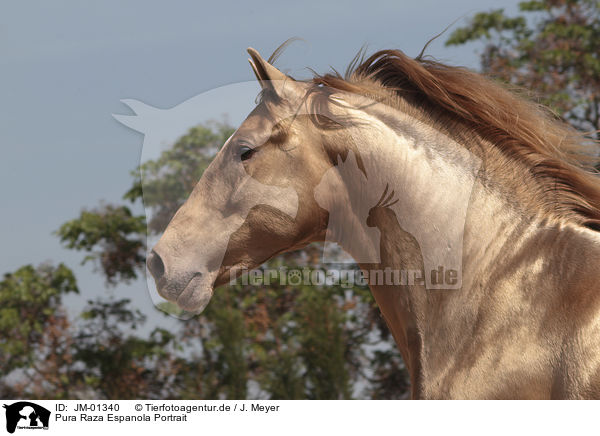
<point>191,291</point>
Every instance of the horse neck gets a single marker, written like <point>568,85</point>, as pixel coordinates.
<point>439,188</point>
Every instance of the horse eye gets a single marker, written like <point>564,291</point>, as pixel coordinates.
<point>246,152</point>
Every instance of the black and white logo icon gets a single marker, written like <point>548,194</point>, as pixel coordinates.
<point>26,415</point>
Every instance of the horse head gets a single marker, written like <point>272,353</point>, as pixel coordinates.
<point>253,201</point>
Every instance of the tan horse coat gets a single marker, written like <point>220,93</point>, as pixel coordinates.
<point>524,321</point>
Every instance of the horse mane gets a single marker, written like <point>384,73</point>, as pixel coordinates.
<point>556,155</point>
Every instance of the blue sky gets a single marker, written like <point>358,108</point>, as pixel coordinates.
<point>67,64</point>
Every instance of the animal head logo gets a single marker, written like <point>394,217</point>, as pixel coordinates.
<point>27,415</point>
<point>342,193</point>
<point>361,196</point>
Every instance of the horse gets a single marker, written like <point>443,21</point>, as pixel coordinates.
<point>421,165</point>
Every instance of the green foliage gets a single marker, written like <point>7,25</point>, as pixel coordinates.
<point>323,345</point>
<point>113,237</point>
<point>226,346</point>
<point>116,363</point>
<point>29,300</point>
<point>482,25</point>
<point>552,50</point>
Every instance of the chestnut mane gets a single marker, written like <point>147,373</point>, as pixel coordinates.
<point>555,154</point>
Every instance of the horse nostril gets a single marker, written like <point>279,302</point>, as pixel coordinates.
<point>155,265</point>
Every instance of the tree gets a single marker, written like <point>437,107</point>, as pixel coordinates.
<point>552,49</point>
<point>44,354</point>
<point>121,365</point>
<point>113,237</point>
<point>34,331</point>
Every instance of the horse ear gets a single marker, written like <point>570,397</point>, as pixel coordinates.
<point>264,71</point>
<point>256,73</point>
<point>267,74</point>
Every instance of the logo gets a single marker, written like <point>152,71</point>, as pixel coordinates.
<point>26,415</point>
